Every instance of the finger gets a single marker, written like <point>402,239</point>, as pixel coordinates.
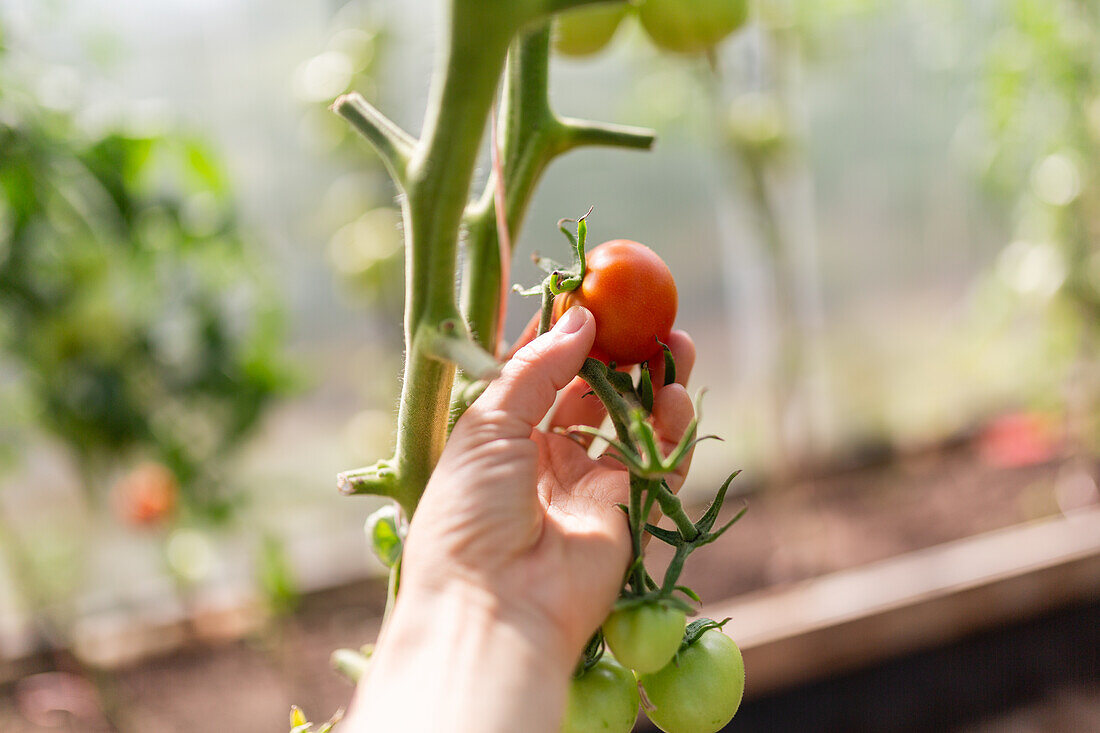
<point>683,351</point>
<point>530,380</point>
<point>527,335</point>
<point>574,408</point>
<point>672,414</point>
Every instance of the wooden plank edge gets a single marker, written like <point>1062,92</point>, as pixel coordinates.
<point>853,618</point>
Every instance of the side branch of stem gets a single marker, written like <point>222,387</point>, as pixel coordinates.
<point>394,145</point>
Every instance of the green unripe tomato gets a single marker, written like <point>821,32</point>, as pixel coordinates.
<point>587,30</point>
<point>691,26</point>
<point>645,637</point>
<point>700,691</point>
<point>604,698</point>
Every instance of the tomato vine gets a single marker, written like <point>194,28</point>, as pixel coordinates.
<point>452,333</point>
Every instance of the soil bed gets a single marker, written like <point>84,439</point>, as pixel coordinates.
<point>809,528</point>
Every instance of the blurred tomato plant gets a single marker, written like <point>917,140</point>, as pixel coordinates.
<point>1035,144</point>
<point>132,308</point>
<point>357,216</point>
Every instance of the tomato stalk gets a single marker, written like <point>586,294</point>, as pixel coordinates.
<point>555,283</point>
<point>636,446</point>
<point>434,174</point>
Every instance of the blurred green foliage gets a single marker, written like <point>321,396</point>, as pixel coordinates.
<point>131,306</point>
<point>1038,149</point>
<point>363,227</point>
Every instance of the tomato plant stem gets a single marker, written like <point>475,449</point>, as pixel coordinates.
<point>592,371</point>
<point>636,518</point>
<point>547,312</point>
<point>434,173</point>
<point>531,136</point>
<point>675,567</point>
<point>673,508</point>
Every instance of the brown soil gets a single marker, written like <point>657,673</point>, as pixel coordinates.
<point>853,517</point>
<point>791,533</point>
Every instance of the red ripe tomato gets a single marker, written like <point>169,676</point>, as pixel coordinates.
<point>632,296</point>
<point>147,495</point>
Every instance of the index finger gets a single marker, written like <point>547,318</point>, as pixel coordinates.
<point>531,379</point>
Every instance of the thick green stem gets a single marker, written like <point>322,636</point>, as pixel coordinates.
<point>435,173</point>
<point>437,184</point>
<point>547,311</point>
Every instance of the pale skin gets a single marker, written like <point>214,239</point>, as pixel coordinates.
<point>516,553</point>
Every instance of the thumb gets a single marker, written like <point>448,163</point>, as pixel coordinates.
<point>531,379</point>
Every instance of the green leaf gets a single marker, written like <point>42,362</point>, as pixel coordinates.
<point>331,723</point>
<point>205,168</point>
<point>711,537</point>
<point>622,382</point>
<point>277,576</point>
<point>664,535</point>
<point>689,593</point>
<point>645,388</point>
<point>699,627</point>
<point>593,650</point>
<point>670,363</point>
<point>568,234</point>
<point>711,515</point>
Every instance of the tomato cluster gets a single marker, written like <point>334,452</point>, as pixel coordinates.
<point>697,688</point>
<point>701,690</point>
<point>681,26</point>
<point>693,675</point>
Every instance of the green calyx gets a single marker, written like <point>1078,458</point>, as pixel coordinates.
<point>657,596</point>
<point>565,281</point>
<point>593,652</point>
<point>560,279</point>
<point>699,627</point>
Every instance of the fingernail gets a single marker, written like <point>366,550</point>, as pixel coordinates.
<point>572,321</point>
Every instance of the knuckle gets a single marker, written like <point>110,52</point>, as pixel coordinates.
<point>484,425</point>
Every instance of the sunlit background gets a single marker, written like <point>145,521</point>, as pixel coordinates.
<point>882,217</point>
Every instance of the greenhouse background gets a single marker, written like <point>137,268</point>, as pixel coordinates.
<point>882,216</point>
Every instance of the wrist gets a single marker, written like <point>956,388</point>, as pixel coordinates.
<point>457,658</point>
<point>460,608</point>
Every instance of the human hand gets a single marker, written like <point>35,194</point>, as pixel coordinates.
<point>518,530</point>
